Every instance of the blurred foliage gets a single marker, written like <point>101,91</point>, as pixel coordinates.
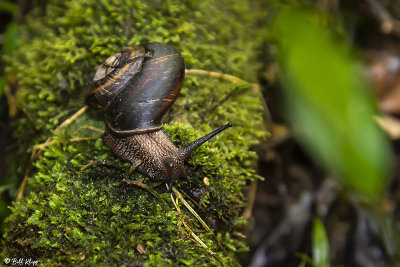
<point>320,247</point>
<point>8,7</point>
<point>9,41</point>
<point>329,105</point>
<point>10,37</point>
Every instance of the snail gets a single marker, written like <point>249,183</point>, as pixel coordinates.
<point>134,88</point>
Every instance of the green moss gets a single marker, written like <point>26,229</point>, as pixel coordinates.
<point>70,216</point>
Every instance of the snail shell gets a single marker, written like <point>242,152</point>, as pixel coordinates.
<point>136,87</point>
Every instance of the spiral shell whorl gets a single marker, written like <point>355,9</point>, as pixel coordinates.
<point>136,87</point>
<point>113,75</point>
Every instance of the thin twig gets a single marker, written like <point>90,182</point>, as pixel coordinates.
<point>41,146</point>
<point>250,200</point>
<point>68,121</point>
<point>36,154</point>
<point>96,162</point>
<point>175,202</point>
<point>253,86</point>
<point>11,99</point>
<point>81,139</point>
<point>215,75</point>
<point>47,144</point>
<point>144,186</point>
<point>222,101</point>
<point>90,128</point>
<point>73,117</point>
<point>179,196</point>
<point>383,16</point>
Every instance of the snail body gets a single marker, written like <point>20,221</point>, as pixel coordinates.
<point>135,88</point>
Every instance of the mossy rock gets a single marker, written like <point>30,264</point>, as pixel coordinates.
<point>69,215</point>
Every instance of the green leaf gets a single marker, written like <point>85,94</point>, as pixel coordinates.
<point>320,245</point>
<point>10,39</point>
<point>328,104</point>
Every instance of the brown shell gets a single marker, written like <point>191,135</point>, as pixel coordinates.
<point>135,87</point>
<point>113,74</point>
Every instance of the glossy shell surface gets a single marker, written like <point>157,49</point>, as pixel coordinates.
<point>136,87</point>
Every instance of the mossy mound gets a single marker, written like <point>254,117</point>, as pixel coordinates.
<point>69,215</point>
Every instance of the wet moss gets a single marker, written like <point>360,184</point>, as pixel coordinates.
<point>74,216</point>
